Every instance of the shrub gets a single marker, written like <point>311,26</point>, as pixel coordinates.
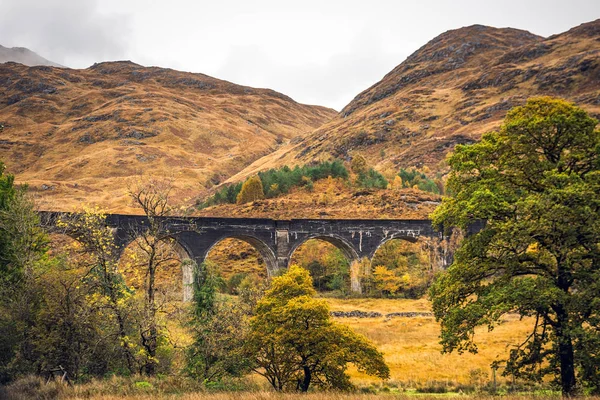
<point>372,179</point>
<point>358,164</point>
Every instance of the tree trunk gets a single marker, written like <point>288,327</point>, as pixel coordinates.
<point>305,383</point>
<point>567,366</point>
<point>152,341</point>
<point>565,341</point>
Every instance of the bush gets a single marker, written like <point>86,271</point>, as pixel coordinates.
<point>32,388</point>
<point>415,179</point>
<point>233,283</point>
<point>372,179</point>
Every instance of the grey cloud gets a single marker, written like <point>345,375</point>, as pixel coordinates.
<point>72,33</point>
<point>333,81</point>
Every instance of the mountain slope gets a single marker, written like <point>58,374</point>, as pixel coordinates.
<point>453,89</point>
<point>24,56</point>
<point>78,135</point>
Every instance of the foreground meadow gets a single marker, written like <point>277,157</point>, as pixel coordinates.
<point>410,347</point>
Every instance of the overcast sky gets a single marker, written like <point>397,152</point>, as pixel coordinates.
<point>318,52</point>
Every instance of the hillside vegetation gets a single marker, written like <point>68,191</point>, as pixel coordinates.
<point>334,198</point>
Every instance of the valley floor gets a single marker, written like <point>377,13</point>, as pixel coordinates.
<point>411,349</point>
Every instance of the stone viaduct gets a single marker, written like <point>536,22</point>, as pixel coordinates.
<point>275,240</point>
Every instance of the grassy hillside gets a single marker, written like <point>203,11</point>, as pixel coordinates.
<point>78,135</point>
<point>450,91</point>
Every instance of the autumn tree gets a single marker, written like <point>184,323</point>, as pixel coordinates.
<point>252,190</point>
<point>154,242</point>
<point>358,165</point>
<point>536,182</point>
<point>47,317</point>
<point>294,344</point>
<point>387,282</point>
<point>109,290</point>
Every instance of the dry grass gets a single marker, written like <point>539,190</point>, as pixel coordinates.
<point>309,396</point>
<point>32,388</point>
<point>411,348</point>
<point>35,389</point>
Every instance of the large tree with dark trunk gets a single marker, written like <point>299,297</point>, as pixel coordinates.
<point>537,184</point>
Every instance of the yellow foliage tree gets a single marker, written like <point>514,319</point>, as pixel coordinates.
<point>358,164</point>
<point>252,190</point>
<point>386,280</point>
<point>293,342</point>
<point>397,185</point>
<point>327,196</point>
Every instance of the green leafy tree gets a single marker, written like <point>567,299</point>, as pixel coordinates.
<point>294,344</point>
<point>537,184</point>
<point>252,190</point>
<point>22,241</point>
<point>23,245</point>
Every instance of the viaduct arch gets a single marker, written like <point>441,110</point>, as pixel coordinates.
<point>276,240</point>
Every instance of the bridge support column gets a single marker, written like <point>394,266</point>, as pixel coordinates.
<point>356,271</point>
<point>188,268</point>
<point>282,244</point>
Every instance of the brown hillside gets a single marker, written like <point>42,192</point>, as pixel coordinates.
<point>78,135</point>
<point>453,89</point>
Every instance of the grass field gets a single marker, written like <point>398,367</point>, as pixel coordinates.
<point>411,348</point>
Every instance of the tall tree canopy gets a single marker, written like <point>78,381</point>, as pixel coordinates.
<point>537,184</point>
<point>294,343</point>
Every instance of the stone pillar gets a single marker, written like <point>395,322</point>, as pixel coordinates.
<point>282,244</point>
<point>355,273</point>
<point>188,267</point>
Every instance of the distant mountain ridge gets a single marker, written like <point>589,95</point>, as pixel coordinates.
<point>24,56</point>
<point>452,90</point>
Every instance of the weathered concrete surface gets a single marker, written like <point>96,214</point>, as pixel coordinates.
<point>276,240</point>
